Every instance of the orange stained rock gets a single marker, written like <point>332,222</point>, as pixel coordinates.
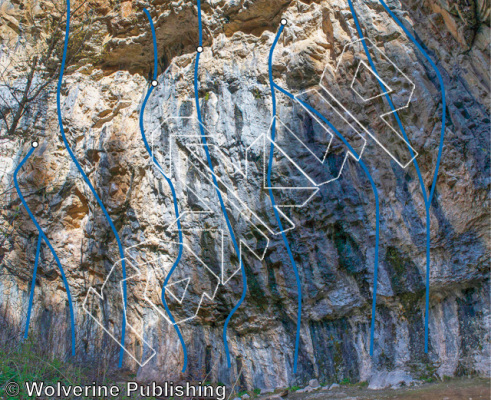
<point>126,9</point>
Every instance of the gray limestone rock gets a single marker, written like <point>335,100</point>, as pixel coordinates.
<point>333,239</point>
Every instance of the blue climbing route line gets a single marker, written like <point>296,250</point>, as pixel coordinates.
<point>222,205</point>
<point>396,115</point>
<point>45,238</point>
<point>363,166</point>
<point>427,200</point>
<point>435,177</point>
<point>283,235</point>
<point>174,196</point>
<point>86,179</point>
<point>33,285</point>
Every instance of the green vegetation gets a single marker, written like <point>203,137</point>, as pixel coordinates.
<point>345,381</point>
<point>24,363</point>
<point>257,93</point>
<point>30,361</point>
<point>428,372</point>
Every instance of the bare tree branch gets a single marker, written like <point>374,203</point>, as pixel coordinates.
<point>42,66</point>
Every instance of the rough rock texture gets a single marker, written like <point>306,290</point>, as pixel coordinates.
<point>334,235</point>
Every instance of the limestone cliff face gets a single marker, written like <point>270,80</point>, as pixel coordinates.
<point>334,235</point>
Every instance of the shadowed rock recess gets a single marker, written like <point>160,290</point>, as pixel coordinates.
<point>334,236</point>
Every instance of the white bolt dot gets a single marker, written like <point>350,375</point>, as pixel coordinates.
<point>35,144</point>
<point>199,49</point>
<point>283,21</point>
<point>154,83</point>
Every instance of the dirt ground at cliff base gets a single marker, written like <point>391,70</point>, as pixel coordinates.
<point>457,389</point>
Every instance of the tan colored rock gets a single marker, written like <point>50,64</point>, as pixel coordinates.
<point>333,241</point>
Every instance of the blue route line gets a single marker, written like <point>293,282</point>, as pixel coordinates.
<point>427,200</point>
<point>222,205</point>
<point>33,285</point>
<point>174,196</point>
<point>86,179</point>
<point>45,238</point>
<point>435,177</point>
<point>363,166</point>
<point>283,235</point>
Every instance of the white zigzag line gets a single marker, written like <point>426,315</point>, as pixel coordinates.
<point>92,290</point>
<point>381,116</point>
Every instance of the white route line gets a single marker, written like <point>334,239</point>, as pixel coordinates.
<point>318,184</point>
<point>92,291</point>
<point>222,267</point>
<point>383,115</point>
<point>233,387</point>
<point>242,241</point>
<point>184,290</point>
<point>242,207</point>
<point>205,294</point>
<point>348,152</point>
<point>376,76</point>
<point>241,203</point>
